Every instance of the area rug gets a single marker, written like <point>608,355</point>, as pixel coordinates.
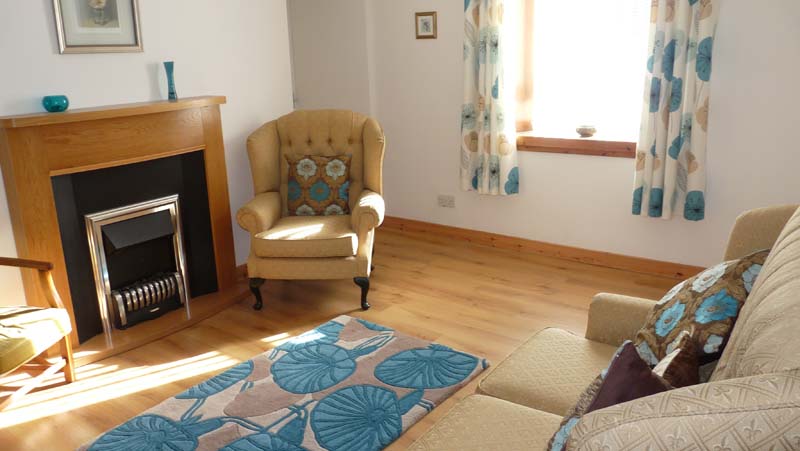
<point>348,385</point>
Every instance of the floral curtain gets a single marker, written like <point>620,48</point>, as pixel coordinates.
<point>671,161</point>
<point>488,144</point>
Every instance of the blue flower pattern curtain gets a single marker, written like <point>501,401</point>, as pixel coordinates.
<point>671,160</point>
<point>488,143</point>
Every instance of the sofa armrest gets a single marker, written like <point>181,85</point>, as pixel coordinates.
<point>757,412</point>
<point>614,318</point>
<point>368,212</point>
<point>261,213</point>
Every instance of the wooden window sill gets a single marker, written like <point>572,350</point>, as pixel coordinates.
<point>579,146</point>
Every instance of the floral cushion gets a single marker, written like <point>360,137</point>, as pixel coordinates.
<point>318,185</point>
<point>627,377</point>
<point>706,306</point>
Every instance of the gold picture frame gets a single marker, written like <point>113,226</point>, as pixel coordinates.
<point>425,24</point>
<point>97,26</point>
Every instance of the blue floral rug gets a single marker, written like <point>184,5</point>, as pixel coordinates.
<point>347,385</point>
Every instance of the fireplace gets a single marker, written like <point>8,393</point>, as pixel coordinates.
<point>128,224</point>
<point>61,168</point>
<point>138,261</point>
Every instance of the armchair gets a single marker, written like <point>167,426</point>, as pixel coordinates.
<point>313,247</point>
<point>26,333</point>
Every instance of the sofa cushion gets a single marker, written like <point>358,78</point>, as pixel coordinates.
<point>754,413</point>
<point>318,185</point>
<point>767,336</point>
<point>26,332</point>
<point>549,371</point>
<point>705,305</point>
<point>482,423</point>
<point>307,236</point>
<point>627,377</point>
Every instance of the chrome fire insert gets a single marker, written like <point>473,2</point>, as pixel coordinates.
<point>147,298</point>
<point>142,299</point>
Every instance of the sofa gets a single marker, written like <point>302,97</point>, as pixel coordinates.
<point>752,400</point>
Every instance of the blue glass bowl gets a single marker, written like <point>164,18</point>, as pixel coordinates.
<point>55,104</point>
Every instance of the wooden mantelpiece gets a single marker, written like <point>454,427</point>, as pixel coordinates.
<point>36,147</point>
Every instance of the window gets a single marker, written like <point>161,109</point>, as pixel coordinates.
<point>582,62</point>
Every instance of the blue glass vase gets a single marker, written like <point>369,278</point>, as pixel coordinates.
<point>55,104</point>
<point>169,67</point>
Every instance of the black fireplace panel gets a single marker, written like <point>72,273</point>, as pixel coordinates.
<point>131,232</point>
<point>88,192</point>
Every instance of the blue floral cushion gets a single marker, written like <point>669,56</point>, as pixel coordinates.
<point>705,306</point>
<point>318,185</point>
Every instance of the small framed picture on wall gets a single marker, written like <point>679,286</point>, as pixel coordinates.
<point>426,25</point>
<point>97,26</point>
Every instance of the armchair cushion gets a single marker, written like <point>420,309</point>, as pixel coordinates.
<point>318,185</point>
<point>307,236</point>
<point>26,332</point>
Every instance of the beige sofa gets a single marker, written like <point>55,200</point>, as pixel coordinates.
<point>751,402</point>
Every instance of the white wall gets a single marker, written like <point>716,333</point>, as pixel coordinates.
<point>584,200</point>
<point>237,48</point>
<point>330,64</point>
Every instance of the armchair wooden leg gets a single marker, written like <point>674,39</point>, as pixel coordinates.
<point>372,259</point>
<point>363,282</point>
<point>69,362</point>
<point>255,287</point>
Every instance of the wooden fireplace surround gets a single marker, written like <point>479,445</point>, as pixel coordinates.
<point>36,147</point>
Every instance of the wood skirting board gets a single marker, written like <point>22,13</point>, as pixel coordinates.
<point>591,257</point>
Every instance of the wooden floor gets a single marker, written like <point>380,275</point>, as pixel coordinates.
<point>477,299</point>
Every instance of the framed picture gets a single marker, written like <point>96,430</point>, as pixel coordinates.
<point>97,26</point>
<point>426,25</point>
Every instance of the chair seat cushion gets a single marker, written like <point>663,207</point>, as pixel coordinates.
<point>549,371</point>
<point>480,423</point>
<point>26,332</point>
<point>308,236</point>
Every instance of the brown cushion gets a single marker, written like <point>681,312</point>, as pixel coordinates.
<point>627,377</point>
<point>679,368</point>
<point>706,306</point>
<point>318,185</point>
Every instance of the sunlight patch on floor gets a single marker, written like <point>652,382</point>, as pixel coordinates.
<point>98,383</point>
<point>277,337</point>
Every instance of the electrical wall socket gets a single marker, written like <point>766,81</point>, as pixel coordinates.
<point>446,200</point>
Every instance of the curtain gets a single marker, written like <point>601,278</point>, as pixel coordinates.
<point>671,160</point>
<point>488,142</point>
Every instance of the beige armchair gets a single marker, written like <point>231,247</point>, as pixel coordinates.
<point>313,247</point>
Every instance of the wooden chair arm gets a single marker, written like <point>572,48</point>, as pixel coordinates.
<point>45,277</point>
<point>23,263</point>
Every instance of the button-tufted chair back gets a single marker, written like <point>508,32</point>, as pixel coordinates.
<point>317,132</point>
